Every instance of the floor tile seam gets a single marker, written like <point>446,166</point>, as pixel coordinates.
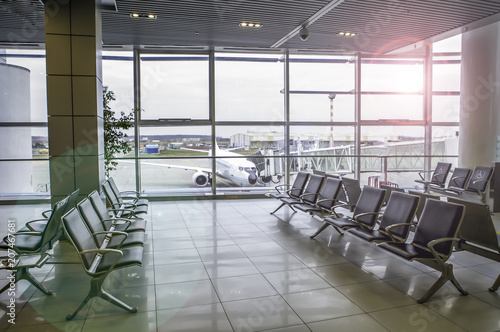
<point>479,272</point>
<point>419,305</point>
<point>220,301</point>
<point>477,298</point>
<point>353,315</point>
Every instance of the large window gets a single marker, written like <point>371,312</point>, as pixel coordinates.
<point>23,123</point>
<point>248,87</point>
<point>255,144</point>
<point>320,84</point>
<point>174,86</point>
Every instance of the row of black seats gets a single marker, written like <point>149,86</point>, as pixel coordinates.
<point>434,235</point>
<point>105,239</point>
<point>463,181</point>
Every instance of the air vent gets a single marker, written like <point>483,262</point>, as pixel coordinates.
<point>21,45</point>
<point>112,46</point>
<point>158,47</point>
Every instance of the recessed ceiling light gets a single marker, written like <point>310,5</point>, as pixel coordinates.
<point>346,34</point>
<point>250,25</point>
<point>137,15</point>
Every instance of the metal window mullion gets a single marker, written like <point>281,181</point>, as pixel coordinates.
<point>137,117</point>
<point>286,128</point>
<point>211,90</point>
<point>428,110</point>
<point>357,116</point>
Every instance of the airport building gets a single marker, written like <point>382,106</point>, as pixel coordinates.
<point>223,101</point>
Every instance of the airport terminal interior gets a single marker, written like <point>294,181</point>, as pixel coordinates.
<point>323,165</point>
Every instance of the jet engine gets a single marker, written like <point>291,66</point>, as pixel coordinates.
<point>200,179</point>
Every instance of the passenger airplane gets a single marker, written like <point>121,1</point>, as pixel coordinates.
<point>239,171</point>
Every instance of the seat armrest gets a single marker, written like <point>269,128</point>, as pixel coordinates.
<point>439,258</point>
<point>131,192</point>
<point>46,213</point>
<point>356,217</point>
<point>28,224</point>
<point>326,200</point>
<point>118,221</point>
<point>388,229</point>
<point>282,187</point>
<point>100,253</point>
<point>109,235</point>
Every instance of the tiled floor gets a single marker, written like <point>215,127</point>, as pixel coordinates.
<point>227,265</point>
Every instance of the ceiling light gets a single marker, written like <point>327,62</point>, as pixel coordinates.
<point>346,34</point>
<point>137,15</point>
<point>250,25</point>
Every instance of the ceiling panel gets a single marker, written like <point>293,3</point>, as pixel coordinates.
<point>381,25</point>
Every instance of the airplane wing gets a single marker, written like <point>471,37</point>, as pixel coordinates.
<point>196,150</point>
<point>186,168</point>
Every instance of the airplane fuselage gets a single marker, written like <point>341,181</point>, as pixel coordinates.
<point>239,171</point>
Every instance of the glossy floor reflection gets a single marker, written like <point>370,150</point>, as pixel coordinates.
<point>228,265</point>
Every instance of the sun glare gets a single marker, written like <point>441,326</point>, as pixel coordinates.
<point>410,79</point>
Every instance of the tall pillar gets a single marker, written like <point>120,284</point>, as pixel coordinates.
<point>73,39</point>
<point>480,97</point>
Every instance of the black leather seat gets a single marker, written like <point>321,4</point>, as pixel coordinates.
<point>365,213</point>
<point>130,196</point>
<point>131,224</point>
<point>327,198</point>
<point>295,190</point>
<point>117,239</point>
<point>124,209</point>
<point>27,243</point>
<point>309,196</point>
<point>396,221</point>
<point>432,242</point>
<point>477,184</point>
<point>38,225</point>
<point>98,262</point>
<point>438,178</point>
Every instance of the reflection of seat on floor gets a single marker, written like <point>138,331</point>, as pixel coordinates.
<point>31,248</point>
<point>98,262</point>
<point>396,221</point>
<point>365,213</point>
<point>432,242</point>
<point>438,177</point>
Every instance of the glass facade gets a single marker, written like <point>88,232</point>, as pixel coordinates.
<point>236,123</point>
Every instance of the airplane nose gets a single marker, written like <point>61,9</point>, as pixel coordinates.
<point>252,178</point>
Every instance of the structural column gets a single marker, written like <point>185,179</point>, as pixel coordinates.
<point>480,97</point>
<point>74,96</point>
